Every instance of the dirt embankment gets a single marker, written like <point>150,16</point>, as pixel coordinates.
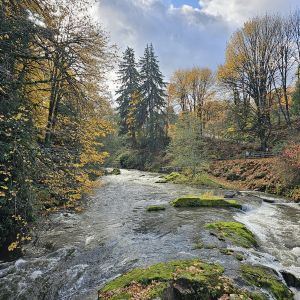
<point>255,174</point>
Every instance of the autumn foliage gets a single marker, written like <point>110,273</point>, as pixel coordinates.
<point>53,112</point>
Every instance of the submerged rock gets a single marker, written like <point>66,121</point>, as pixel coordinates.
<point>229,194</point>
<point>155,208</point>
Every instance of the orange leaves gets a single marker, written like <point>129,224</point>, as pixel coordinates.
<point>291,154</point>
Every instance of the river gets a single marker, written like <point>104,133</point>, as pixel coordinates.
<point>73,255</point>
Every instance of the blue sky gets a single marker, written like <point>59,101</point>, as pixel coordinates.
<point>177,3</point>
<point>185,33</point>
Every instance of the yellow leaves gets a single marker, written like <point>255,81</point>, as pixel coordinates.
<point>76,196</point>
<point>18,117</point>
<point>3,187</point>
<point>2,194</point>
<point>13,246</point>
<point>16,244</point>
<point>17,217</point>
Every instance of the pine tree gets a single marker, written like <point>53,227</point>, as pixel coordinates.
<point>129,79</point>
<point>151,109</point>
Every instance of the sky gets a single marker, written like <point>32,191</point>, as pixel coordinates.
<point>184,33</point>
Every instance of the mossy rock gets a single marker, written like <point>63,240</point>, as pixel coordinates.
<point>188,279</point>
<point>116,171</point>
<point>155,208</point>
<point>235,232</point>
<point>203,201</point>
<point>174,177</point>
<point>265,278</point>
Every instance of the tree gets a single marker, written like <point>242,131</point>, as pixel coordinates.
<point>296,100</point>
<point>284,64</point>
<point>201,81</point>
<point>18,150</point>
<point>51,89</point>
<point>131,121</point>
<point>178,89</point>
<point>127,93</point>
<point>250,67</point>
<point>187,146</point>
<point>151,107</point>
<point>295,30</point>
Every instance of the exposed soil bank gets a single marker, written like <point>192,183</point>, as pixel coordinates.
<point>254,174</point>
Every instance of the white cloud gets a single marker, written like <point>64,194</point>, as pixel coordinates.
<point>182,37</point>
<point>238,11</point>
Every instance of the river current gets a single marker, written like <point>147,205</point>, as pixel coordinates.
<point>73,255</point>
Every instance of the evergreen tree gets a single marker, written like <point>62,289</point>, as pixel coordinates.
<point>129,79</point>
<point>151,109</point>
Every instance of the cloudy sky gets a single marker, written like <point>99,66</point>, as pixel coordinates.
<point>184,33</point>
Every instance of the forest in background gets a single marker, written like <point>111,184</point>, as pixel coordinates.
<point>248,106</point>
<point>58,128</point>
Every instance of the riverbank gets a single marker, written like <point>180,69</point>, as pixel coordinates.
<point>262,175</point>
<point>258,175</point>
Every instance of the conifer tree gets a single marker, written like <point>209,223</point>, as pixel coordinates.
<point>152,90</point>
<point>129,80</point>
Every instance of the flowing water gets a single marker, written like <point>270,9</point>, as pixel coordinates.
<point>73,255</point>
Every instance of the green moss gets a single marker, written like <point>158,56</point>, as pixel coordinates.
<point>198,179</point>
<point>204,201</point>
<point>155,208</point>
<point>149,283</point>
<point>226,251</point>
<point>263,277</point>
<point>116,171</point>
<point>173,177</point>
<point>239,256</point>
<point>234,231</point>
<point>205,180</point>
<point>164,272</point>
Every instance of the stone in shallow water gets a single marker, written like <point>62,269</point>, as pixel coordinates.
<point>229,194</point>
<point>290,279</point>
